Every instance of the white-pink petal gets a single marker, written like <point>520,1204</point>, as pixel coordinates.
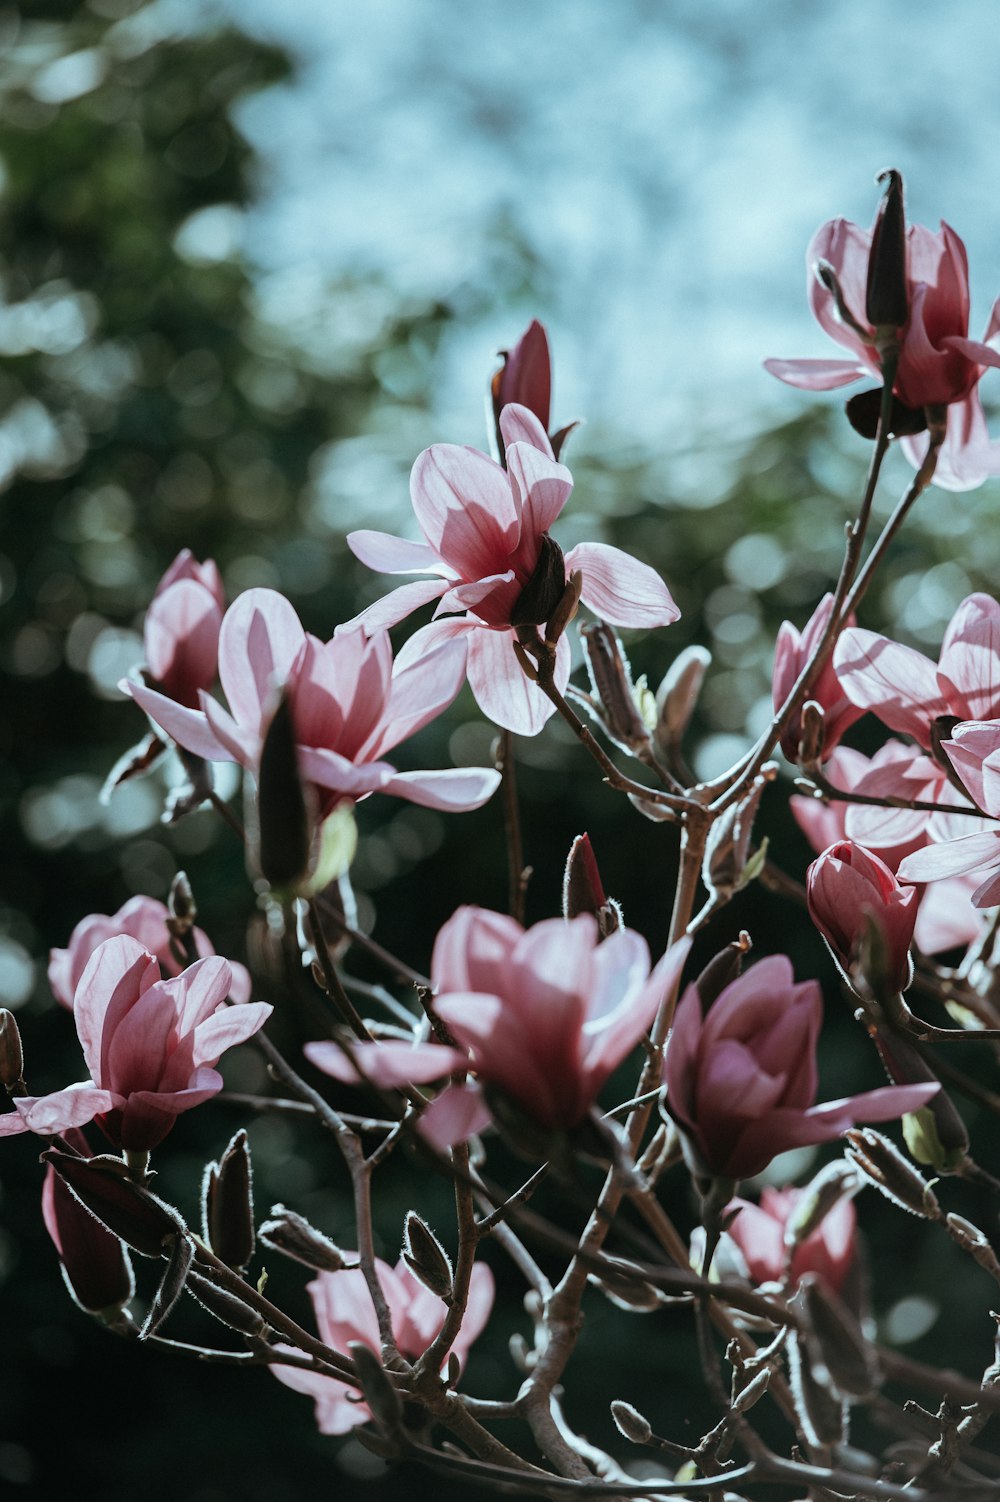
<point>619,588</point>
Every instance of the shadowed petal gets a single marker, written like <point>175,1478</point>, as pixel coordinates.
<point>619,588</point>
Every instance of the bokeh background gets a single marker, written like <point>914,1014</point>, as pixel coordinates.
<point>253,259</point>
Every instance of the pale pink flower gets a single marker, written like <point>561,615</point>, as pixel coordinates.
<point>350,704</point>
<point>741,1082</point>
<point>144,919</point>
<point>845,886</point>
<point>150,1045</point>
<point>546,1014</point>
<point>344,1313</point>
<point>483,533</point>
<point>181,630</point>
<point>792,651</point>
<point>938,364</point>
<point>759,1233</point>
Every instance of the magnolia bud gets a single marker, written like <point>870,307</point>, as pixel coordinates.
<point>838,1340</point>
<point>227,1204</point>
<point>886,299</point>
<point>11,1054</point>
<point>131,1213</point>
<point>181,904</point>
<point>95,1265</point>
<point>923,1137</point>
<point>171,1285</point>
<point>544,590</point>
<point>227,1307</point>
<point>378,1391</point>
<point>837,1181</point>
<point>728,866</point>
<point>525,376</point>
<point>883,1165</point>
<point>677,695</point>
<point>426,1257</point>
<point>284,815</point>
<point>611,679</point>
<point>822,1414</point>
<point>972,1240</point>
<point>291,1234</point>
<point>631,1423</point>
<point>721,971</point>
<point>583,891</point>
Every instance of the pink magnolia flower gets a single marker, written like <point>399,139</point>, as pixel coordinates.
<point>144,919</point>
<point>741,1082</point>
<point>759,1233</point>
<point>974,751</point>
<point>150,1045</point>
<point>908,692</point>
<point>848,884</point>
<point>344,1313</point>
<point>791,653</point>
<point>546,1014</point>
<point>95,1264</point>
<point>525,377</point>
<point>350,704</point>
<point>484,530</point>
<point>181,631</point>
<point>938,364</point>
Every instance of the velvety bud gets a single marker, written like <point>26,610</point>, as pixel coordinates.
<point>847,885</point>
<point>11,1054</point>
<point>171,1285</point>
<point>886,298</point>
<point>583,891</point>
<point>227,1307</point>
<point>836,1182</point>
<point>227,1204</point>
<point>727,866</point>
<point>972,1240</point>
<point>677,695</point>
<point>611,678</point>
<point>291,1234</point>
<point>284,817</point>
<point>924,1139</point>
<point>181,907</point>
<point>721,971</point>
<point>631,1424</point>
<point>565,611</point>
<point>945,1138</point>
<point>882,1164</point>
<point>95,1265</point>
<point>426,1257</point>
<point>837,1339</point>
<point>131,1213</point>
<point>820,1411</point>
<point>544,590</point>
<point>376,1386</point>
<point>525,376</point>
<point>793,650</point>
<point>625,1286</point>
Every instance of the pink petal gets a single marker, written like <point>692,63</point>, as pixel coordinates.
<point>454,1116</point>
<point>261,637</point>
<point>946,917</point>
<point>466,508</point>
<point>234,743</point>
<point>609,1035</point>
<point>973,852</point>
<point>845,246</point>
<point>225,1029</point>
<point>542,485</point>
<point>619,588</point>
<point>188,727</point>
<point>502,689</point>
<point>393,555</point>
<point>419,691</point>
<point>454,791</point>
<point>471,950</point>
<point>398,604</point>
<point>815,375</point>
<point>972,349</point>
<point>72,1107</point>
<point>117,974</point>
<point>328,769</point>
<point>386,1065</point>
<point>519,425</point>
<point>967,456</point>
<point>897,683</point>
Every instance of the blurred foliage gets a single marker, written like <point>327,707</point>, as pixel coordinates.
<point>152,398</point>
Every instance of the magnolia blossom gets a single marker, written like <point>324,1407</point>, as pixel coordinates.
<point>846,886</point>
<point>741,1082</point>
<point>144,919</point>
<point>938,364</point>
<point>150,1045</point>
<point>546,1015</point>
<point>344,1313</point>
<point>484,533</point>
<point>525,377</point>
<point>350,704</point>
<point>945,916</point>
<point>181,630</point>
<point>758,1233</point>
<point>974,751</point>
<point>792,651</point>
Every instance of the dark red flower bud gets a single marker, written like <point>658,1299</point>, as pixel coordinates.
<point>227,1204</point>
<point>104,1187</point>
<point>95,1264</point>
<point>886,299</point>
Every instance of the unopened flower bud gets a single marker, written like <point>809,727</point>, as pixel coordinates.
<point>972,1240</point>
<point>625,1286</point>
<point>171,1285</point>
<point>884,1166</point>
<point>939,1136</point>
<point>11,1054</point>
<point>376,1387</point>
<point>677,695</point>
<point>128,1211</point>
<point>544,590</point>
<point>95,1265</point>
<point>426,1257</point>
<point>886,300</point>
<point>525,376</point>
<point>565,611</point>
<point>632,1424</point>
<point>728,866</point>
<point>611,678</point>
<point>722,970</point>
<point>837,1181</point>
<point>284,816</point>
<point>227,1204</point>
<point>227,1307</point>
<point>864,914</point>
<point>820,1411</point>
<point>583,891</point>
<point>291,1234</point>
<point>837,1339</point>
<point>182,911</point>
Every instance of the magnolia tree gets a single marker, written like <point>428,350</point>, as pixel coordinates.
<point>505,1053</point>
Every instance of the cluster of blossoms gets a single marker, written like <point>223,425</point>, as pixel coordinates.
<point>522,1028</point>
